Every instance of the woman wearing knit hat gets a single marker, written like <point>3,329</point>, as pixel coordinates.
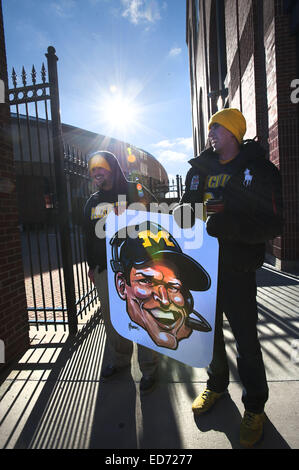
<point>241,190</point>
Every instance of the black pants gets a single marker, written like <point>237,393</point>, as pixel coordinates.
<point>237,299</point>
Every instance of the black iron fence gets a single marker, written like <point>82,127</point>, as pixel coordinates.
<point>52,188</point>
<point>52,185</point>
<point>176,188</point>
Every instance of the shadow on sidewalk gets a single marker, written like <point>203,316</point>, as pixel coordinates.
<point>224,417</point>
<point>52,399</point>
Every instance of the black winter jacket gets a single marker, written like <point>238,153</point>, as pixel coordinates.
<point>100,204</point>
<point>252,209</point>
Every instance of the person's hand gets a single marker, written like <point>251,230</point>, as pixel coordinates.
<point>213,206</point>
<point>91,275</point>
<point>223,225</point>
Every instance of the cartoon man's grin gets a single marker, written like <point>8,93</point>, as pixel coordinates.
<point>165,318</point>
<point>165,326</point>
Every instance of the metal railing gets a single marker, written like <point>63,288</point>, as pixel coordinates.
<point>173,191</point>
<point>51,185</point>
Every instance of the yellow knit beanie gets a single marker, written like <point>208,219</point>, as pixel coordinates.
<point>98,161</point>
<point>233,120</point>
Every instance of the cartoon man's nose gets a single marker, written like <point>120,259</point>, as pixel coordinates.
<point>161,295</point>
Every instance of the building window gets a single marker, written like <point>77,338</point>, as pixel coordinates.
<point>221,42</point>
<point>197,15</point>
<point>143,169</point>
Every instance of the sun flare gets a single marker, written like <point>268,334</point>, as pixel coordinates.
<point>120,112</point>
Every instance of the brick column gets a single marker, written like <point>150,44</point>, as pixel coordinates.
<point>14,330</point>
<point>281,56</point>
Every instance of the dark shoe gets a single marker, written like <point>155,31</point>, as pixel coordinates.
<point>109,371</point>
<point>147,384</point>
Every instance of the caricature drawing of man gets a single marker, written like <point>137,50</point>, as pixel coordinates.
<point>155,277</point>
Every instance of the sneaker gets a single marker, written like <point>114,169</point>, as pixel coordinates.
<point>147,384</point>
<point>251,430</point>
<point>205,401</point>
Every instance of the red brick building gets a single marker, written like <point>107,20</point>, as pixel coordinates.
<point>14,335</point>
<point>245,54</point>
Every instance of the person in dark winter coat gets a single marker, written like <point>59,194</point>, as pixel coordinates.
<point>241,193</point>
<point>114,193</point>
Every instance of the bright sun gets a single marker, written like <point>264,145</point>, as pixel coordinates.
<point>120,112</point>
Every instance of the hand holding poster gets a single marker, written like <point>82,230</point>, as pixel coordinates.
<point>162,284</point>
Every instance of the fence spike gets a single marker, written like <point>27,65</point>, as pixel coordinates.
<point>14,78</point>
<point>43,73</point>
<point>24,76</point>
<point>33,75</point>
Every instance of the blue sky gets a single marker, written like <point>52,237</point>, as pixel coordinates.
<point>123,67</point>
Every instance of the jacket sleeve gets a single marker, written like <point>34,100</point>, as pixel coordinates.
<point>186,197</point>
<point>89,234</point>
<point>253,214</point>
<point>188,209</point>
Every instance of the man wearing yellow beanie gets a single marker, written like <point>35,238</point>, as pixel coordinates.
<point>100,171</point>
<point>112,187</point>
<point>233,120</point>
<point>241,190</point>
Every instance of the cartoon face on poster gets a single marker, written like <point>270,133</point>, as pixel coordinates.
<point>162,284</point>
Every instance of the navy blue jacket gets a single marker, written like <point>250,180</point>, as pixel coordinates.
<point>252,212</point>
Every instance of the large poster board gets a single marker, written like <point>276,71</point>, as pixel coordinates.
<point>163,284</point>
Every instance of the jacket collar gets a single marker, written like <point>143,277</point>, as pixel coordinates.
<point>250,150</point>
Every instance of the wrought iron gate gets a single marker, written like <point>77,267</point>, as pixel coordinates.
<point>52,185</point>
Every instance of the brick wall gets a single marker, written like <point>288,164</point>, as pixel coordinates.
<point>13,316</point>
<point>262,61</point>
<point>241,60</point>
<point>262,64</point>
<point>283,124</point>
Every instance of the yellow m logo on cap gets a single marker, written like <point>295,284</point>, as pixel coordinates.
<point>147,234</point>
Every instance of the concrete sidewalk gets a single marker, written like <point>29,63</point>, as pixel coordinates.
<point>53,398</point>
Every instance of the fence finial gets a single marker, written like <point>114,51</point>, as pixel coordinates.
<point>43,73</point>
<point>24,75</point>
<point>14,78</point>
<point>33,75</point>
<point>51,50</point>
